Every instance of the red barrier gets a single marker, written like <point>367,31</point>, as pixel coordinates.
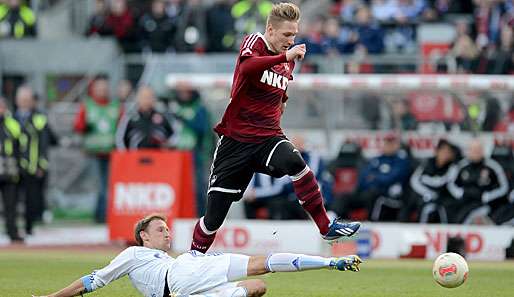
<point>146,181</point>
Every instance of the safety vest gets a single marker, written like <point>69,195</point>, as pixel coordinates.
<point>10,132</point>
<point>101,123</point>
<point>33,145</point>
<point>27,19</point>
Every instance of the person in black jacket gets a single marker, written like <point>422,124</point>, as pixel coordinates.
<point>10,133</point>
<point>145,128</point>
<point>35,141</point>
<point>429,186</point>
<point>479,183</point>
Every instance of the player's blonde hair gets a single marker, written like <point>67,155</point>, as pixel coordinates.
<point>142,224</point>
<point>282,12</point>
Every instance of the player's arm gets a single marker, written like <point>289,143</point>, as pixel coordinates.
<point>257,64</point>
<point>119,266</point>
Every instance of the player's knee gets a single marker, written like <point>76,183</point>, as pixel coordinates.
<point>290,163</point>
<point>255,287</point>
<point>296,166</point>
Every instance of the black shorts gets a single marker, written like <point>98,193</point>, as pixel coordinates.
<point>235,163</point>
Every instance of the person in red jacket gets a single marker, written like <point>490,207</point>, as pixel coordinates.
<point>96,121</point>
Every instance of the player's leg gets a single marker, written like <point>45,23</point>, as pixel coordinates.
<point>230,175</point>
<point>285,159</point>
<point>289,262</point>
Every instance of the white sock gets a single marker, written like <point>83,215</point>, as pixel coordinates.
<point>284,262</point>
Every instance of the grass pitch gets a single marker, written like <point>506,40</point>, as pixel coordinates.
<point>27,272</point>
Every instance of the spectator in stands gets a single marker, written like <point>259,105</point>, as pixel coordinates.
<point>17,20</point>
<point>478,182</point>
<point>369,33</point>
<point>488,20</point>
<point>464,48</point>
<point>96,121</point>
<point>156,29</point>
<point>36,139</point>
<point>430,196</point>
<point>194,134</point>
<point>347,10</point>
<point>402,118</point>
<point>145,128</point>
<point>121,23</point>
<point>381,182</point>
<point>334,40</point>
<point>250,15</point>
<point>384,10</point>
<point>190,35</point>
<point>9,173</point>
<point>124,92</point>
<point>503,62</point>
<point>98,21</point>
<point>220,27</point>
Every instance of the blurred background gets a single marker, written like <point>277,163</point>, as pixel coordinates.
<point>403,108</point>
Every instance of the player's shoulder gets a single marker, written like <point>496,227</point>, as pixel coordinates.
<point>254,43</point>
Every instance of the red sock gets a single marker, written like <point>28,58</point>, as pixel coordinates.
<point>307,190</point>
<point>201,241</point>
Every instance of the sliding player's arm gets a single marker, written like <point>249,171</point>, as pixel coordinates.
<point>119,267</point>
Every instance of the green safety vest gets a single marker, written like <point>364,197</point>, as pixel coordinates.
<point>33,155</point>
<point>27,18</point>
<point>8,155</point>
<point>101,121</point>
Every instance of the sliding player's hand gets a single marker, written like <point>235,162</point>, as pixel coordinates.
<point>297,52</point>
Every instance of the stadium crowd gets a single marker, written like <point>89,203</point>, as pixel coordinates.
<point>483,41</point>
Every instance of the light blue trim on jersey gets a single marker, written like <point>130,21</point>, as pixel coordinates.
<point>86,281</point>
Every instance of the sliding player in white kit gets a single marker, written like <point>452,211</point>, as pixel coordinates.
<point>154,273</point>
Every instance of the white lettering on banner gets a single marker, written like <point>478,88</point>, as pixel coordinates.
<point>142,197</point>
<point>481,242</point>
<point>274,80</point>
<point>235,237</point>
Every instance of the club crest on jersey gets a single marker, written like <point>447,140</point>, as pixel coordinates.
<point>274,80</point>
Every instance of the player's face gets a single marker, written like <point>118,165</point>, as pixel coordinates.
<point>282,35</point>
<point>157,235</point>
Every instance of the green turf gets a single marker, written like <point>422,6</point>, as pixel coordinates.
<point>26,272</point>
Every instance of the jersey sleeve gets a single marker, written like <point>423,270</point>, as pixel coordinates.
<point>119,267</point>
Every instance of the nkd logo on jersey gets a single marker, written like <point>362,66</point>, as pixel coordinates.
<point>274,80</point>
<point>130,198</point>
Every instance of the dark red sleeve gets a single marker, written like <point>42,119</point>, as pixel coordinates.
<point>80,120</point>
<point>256,64</point>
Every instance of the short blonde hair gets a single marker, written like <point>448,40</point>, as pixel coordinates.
<point>282,12</point>
<point>142,224</point>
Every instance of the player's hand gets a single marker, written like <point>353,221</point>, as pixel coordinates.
<point>283,108</point>
<point>297,52</point>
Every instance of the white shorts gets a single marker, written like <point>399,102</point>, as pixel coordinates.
<point>194,272</point>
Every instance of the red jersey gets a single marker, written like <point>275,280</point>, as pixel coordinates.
<point>258,90</point>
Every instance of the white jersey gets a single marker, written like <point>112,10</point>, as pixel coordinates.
<point>146,268</point>
<point>190,273</point>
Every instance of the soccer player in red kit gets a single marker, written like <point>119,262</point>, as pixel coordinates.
<point>251,139</point>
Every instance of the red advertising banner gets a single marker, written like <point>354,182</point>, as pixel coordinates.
<point>147,181</point>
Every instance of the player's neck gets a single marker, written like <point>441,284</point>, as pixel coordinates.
<point>271,47</point>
